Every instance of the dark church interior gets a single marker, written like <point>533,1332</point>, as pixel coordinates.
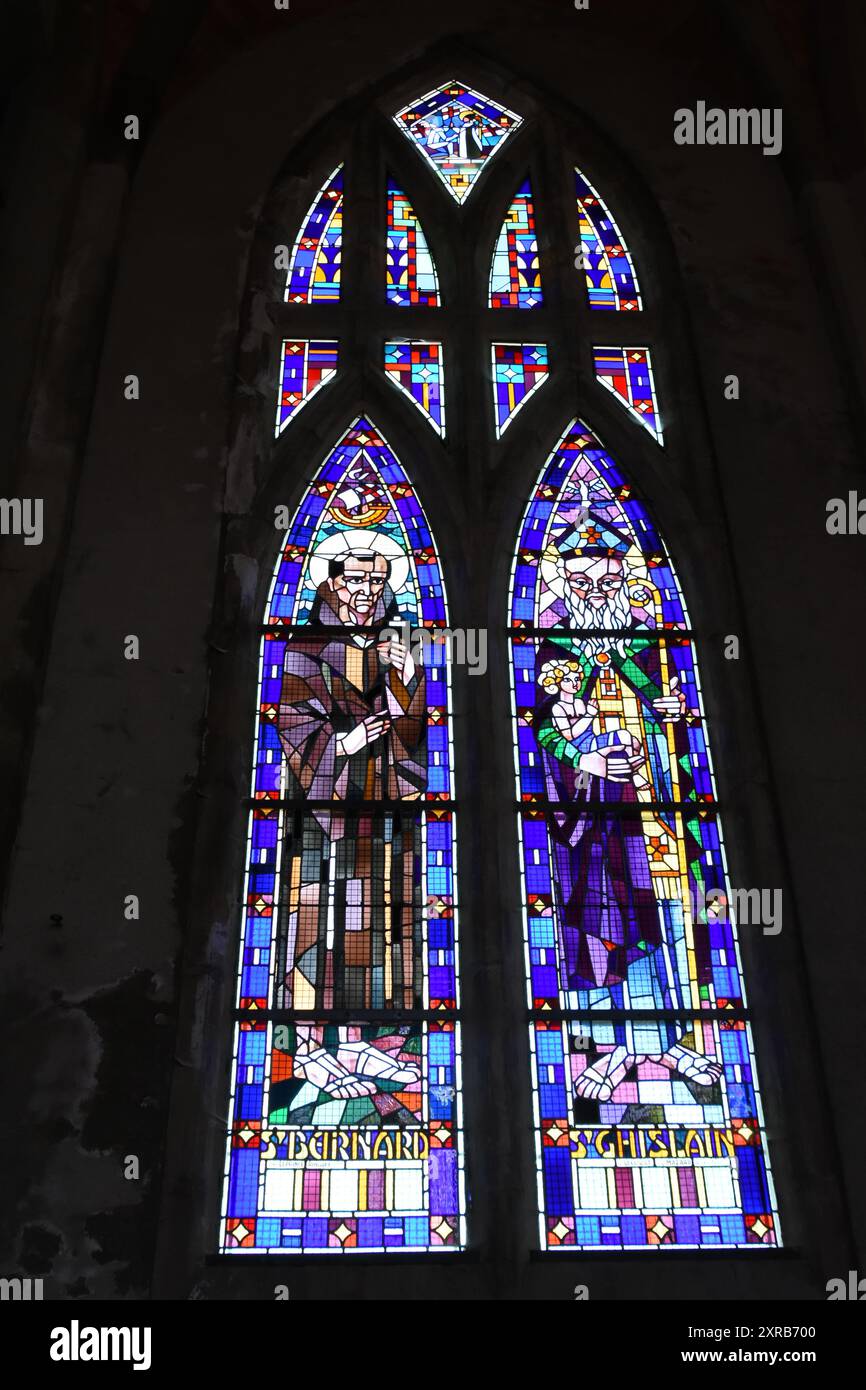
<point>171,171</point>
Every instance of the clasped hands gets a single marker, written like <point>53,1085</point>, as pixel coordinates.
<point>392,652</point>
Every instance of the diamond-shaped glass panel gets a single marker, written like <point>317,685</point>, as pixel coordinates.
<point>457,130</point>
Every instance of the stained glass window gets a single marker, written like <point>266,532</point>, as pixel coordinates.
<point>306,364</point>
<point>410,273</point>
<point>457,131</point>
<point>416,368</point>
<point>346,1106</point>
<point>518,371</point>
<point>628,373</point>
<point>314,268</point>
<point>611,281</point>
<point>649,1120</point>
<point>515,277</point>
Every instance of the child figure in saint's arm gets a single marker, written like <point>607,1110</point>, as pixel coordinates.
<point>574,718</point>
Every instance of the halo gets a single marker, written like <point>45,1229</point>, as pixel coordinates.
<point>345,542</point>
<point>551,571</point>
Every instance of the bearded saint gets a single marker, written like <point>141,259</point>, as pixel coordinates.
<point>618,921</point>
<point>352,723</point>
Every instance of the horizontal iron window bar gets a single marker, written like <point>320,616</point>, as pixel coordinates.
<point>678,1254</point>
<point>340,806</point>
<point>624,634</point>
<point>352,629</point>
<point>739,1014</point>
<point>396,1015</point>
<point>622,807</point>
<point>287,1260</point>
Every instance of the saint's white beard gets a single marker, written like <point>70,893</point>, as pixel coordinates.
<point>616,613</point>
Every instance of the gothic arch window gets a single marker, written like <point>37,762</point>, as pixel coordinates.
<point>453,289</point>
<point>647,1104</point>
<point>346,1085</point>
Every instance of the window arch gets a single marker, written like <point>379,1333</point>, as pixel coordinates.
<point>648,1109</point>
<point>346,1082</point>
<point>395,292</point>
